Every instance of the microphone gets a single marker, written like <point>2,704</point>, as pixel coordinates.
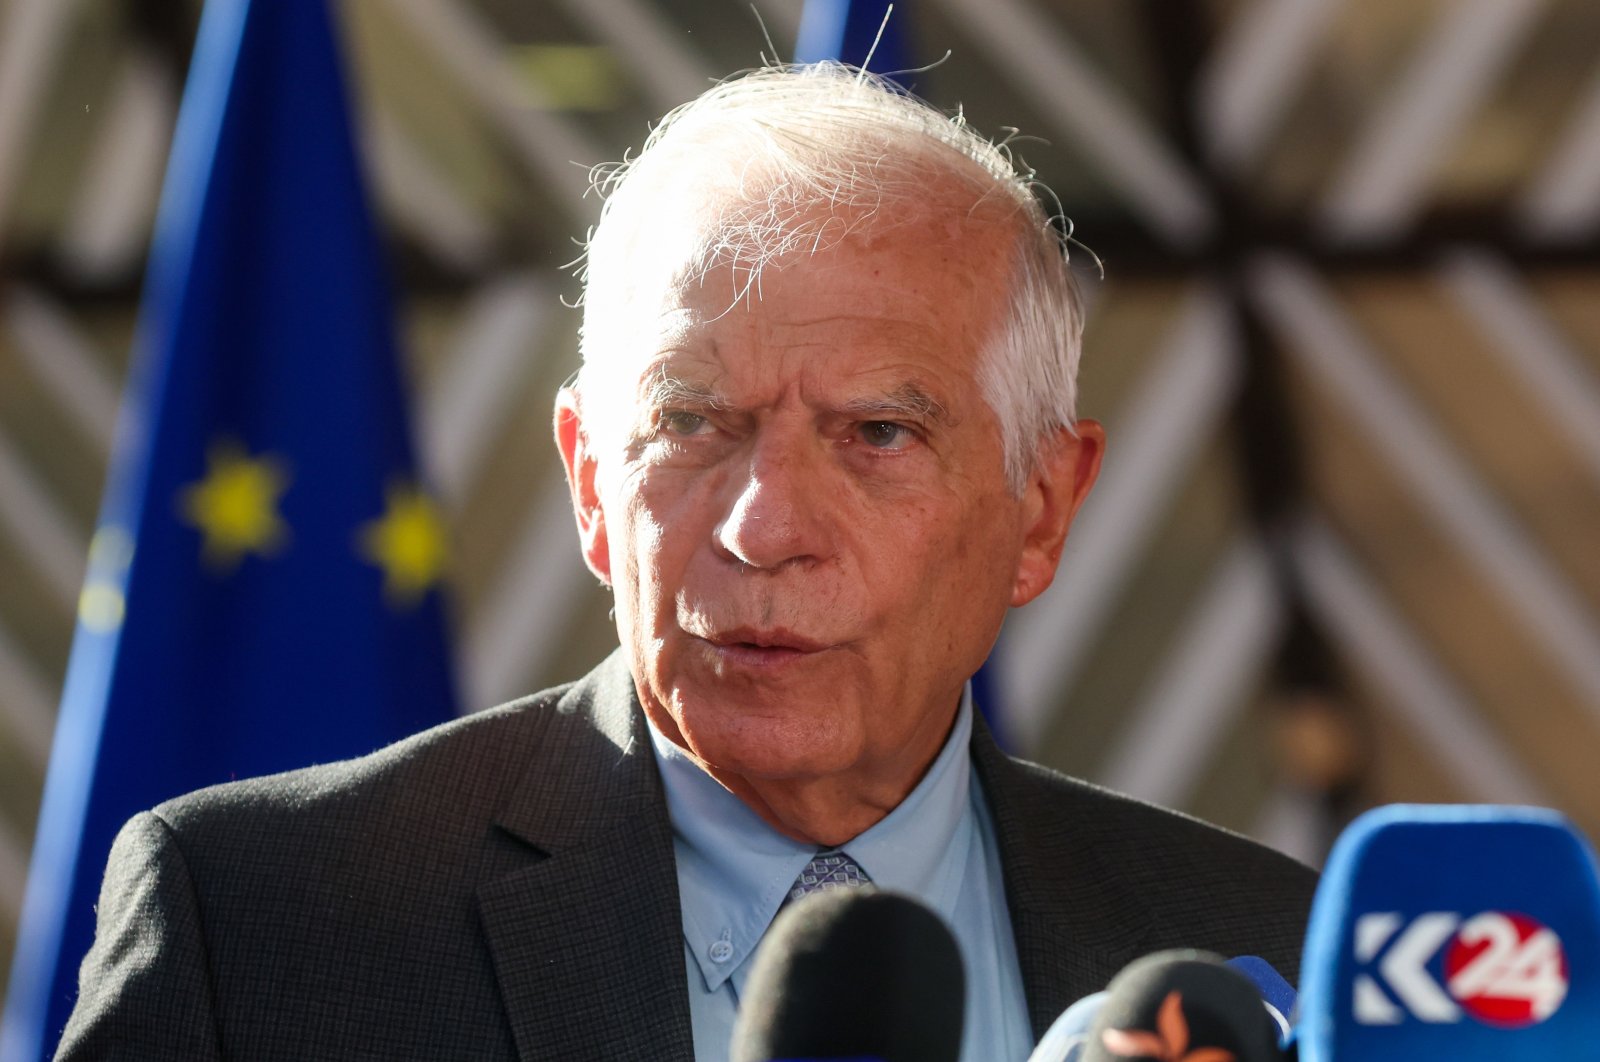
<point>1181,1005</point>
<point>1068,1035</point>
<point>1453,932</point>
<point>853,973</point>
<point>1276,993</point>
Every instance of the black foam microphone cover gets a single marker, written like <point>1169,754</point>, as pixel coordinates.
<point>1182,1005</point>
<point>853,973</point>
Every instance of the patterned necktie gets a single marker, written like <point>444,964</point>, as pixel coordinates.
<point>828,870</point>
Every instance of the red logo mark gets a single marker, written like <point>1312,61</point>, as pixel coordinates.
<point>1506,969</point>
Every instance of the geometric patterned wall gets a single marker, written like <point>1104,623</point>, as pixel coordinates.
<point>1345,337</point>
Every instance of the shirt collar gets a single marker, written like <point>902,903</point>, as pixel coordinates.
<point>734,870</point>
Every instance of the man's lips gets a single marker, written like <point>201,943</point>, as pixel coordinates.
<point>777,640</point>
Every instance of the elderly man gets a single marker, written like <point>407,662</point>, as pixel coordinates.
<point>823,438</point>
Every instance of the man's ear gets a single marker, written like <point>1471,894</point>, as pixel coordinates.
<point>1067,466</point>
<point>577,457</point>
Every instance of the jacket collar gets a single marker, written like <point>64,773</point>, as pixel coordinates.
<point>587,939</point>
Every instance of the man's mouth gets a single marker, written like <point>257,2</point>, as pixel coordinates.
<point>762,647</point>
<point>774,638</point>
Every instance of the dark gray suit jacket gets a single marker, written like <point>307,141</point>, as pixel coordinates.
<point>503,887</point>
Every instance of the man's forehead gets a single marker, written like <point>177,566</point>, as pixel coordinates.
<point>706,339</point>
<point>680,329</point>
<point>905,288</point>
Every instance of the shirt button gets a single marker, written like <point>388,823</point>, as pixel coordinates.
<point>720,951</point>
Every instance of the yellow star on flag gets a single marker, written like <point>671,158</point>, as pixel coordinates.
<point>235,506</point>
<point>407,542</point>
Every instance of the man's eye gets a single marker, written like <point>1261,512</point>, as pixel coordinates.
<point>884,434</point>
<point>680,422</point>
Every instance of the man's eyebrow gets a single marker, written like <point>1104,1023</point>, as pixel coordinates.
<point>908,401</point>
<point>662,389</point>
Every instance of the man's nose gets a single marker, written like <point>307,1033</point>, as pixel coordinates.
<point>777,516</point>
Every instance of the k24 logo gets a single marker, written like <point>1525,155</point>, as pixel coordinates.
<point>1500,968</point>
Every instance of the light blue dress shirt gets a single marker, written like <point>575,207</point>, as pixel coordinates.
<point>939,846</point>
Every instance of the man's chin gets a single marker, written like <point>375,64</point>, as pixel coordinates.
<point>770,749</point>
<point>786,720</point>
<point>745,690</point>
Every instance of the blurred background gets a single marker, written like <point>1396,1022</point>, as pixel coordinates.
<point>1344,331</point>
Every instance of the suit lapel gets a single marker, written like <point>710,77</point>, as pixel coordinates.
<point>1074,927</point>
<point>587,940</point>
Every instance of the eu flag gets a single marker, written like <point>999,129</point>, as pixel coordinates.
<point>262,585</point>
<point>859,32</point>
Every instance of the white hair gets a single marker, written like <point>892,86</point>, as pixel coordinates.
<point>792,158</point>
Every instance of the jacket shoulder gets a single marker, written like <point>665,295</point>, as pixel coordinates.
<point>371,879</point>
<point>1171,880</point>
<point>474,757</point>
<point>1140,834</point>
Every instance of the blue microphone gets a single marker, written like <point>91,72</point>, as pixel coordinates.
<point>1453,932</point>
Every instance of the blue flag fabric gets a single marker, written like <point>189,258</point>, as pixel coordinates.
<point>851,30</point>
<point>262,591</point>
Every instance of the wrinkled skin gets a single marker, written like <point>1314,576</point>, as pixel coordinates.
<point>799,501</point>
